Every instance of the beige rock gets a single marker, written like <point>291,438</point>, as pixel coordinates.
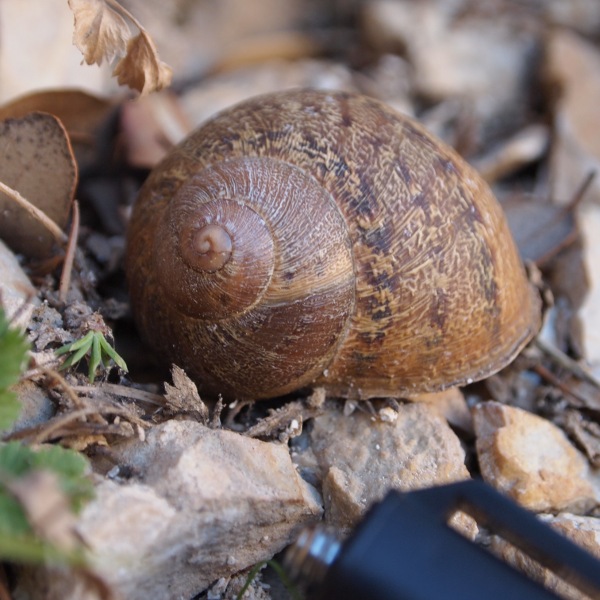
<point>530,459</point>
<point>17,294</point>
<point>584,531</point>
<point>451,405</point>
<point>36,406</point>
<point>204,504</point>
<point>362,457</point>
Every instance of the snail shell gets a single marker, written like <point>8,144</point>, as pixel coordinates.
<point>311,237</point>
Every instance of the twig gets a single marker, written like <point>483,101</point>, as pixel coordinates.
<point>565,361</point>
<point>58,422</point>
<point>39,215</point>
<point>121,391</point>
<point>125,13</point>
<point>556,382</point>
<point>65,277</point>
<point>64,384</point>
<point>580,193</point>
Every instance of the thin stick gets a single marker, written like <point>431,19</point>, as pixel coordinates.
<point>122,392</point>
<point>566,362</point>
<point>65,276</point>
<point>125,13</point>
<point>580,193</point>
<point>39,215</point>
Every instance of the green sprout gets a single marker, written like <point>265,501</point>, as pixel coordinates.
<point>289,586</point>
<point>14,352</point>
<point>23,539</point>
<point>101,352</point>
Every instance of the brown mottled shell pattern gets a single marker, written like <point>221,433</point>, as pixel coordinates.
<point>393,270</point>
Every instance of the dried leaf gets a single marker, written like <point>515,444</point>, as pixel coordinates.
<point>100,33</point>
<point>183,397</point>
<point>84,116</point>
<point>140,68</point>
<point>540,229</point>
<point>37,161</point>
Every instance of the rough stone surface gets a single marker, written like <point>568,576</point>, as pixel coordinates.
<point>584,531</point>
<point>16,290</point>
<point>451,405</point>
<point>530,459</point>
<point>361,458</point>
<point>203,504</point>
<point>36,406</point>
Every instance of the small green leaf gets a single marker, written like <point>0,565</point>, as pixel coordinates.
<point>10,407</point>
<point>95,357</point>
<point>16,460</point>
<point>101,352</point>
<point>71,468</point>
<point>12,516</point>
<point>108,349</point>
<point>84,342</point>
<point>289,586</point>
<point>13,358</point>
<point>32,550</point>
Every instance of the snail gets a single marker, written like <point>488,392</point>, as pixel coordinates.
<point>321,238</point>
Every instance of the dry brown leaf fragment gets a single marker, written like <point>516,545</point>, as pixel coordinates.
<point>39,144</point>
<point>103,32</point>
<point>100,33</point>
<point>141,68</point>
<point>183,397</point>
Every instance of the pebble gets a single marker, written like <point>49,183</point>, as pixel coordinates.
<point>531,459</point>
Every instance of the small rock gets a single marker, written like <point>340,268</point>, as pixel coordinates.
<point>451,405</point>
<point>361,458</point>
<point>17,294</point>
<point>584,531</point>
<point>208,503</point>
<point>36,406</point>
<point>530,459</point>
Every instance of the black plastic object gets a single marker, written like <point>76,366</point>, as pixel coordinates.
<point>404,550</point>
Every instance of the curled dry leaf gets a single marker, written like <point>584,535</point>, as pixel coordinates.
<point>140,68</point>
<point>100,33</point>
<point>183,397</point>
<point>37,161</point>
<point>83,115</point>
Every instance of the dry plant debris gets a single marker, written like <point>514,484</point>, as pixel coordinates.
<point>35,209</point>
<point>102,34</point>
<point>167,463</point>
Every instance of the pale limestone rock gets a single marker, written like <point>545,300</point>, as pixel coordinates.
<point>361,458</point>
<point>17,294</point>
<point>584,531</point>
<point>530,459</point>
<point>451,405</point>
<point>204,504</point>
<point>36,406</point>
